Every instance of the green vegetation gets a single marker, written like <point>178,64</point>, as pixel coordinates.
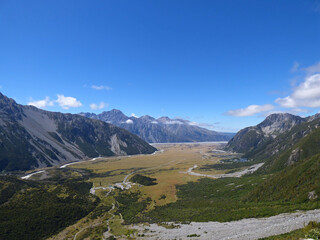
<point>304,137</point>
<point>193,235</point>
<point>292,184</point>
<point>143,180</point>
<point>306,148</point>
<point>314,234</point>
<point>227,165</point>
<point>221,200</point>
<point>32,210</point>
<point>131,206</point>
<point>236,198</point>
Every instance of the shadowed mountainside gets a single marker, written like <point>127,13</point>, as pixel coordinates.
<point>32,138</point>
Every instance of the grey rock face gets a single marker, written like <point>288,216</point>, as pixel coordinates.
<point>251,138</point>
<point>32,138</point>
<point>294,156</point>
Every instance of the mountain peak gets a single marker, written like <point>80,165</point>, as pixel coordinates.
<point>34,138</point>
<point>251,137</point>
<point>115,111</point>
<point>279,122</point>
<point>163,119</point>
<point>9,107</point>
<point>112,116</point>
<point>281,116</point>
<point>5,99</point>
<point>162,129</point>
<point>147,118</point>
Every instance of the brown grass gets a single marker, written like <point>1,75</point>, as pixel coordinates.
<point>168,167</point>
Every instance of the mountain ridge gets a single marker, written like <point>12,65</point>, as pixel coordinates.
<point>291,158</point>
<point>32,138</point>
<point>160,130</point>
<point>250,138</point>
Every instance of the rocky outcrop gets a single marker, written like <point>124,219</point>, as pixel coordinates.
<point>294,156</point>
<point>312,195</point>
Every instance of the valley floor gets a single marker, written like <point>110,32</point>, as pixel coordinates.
<point>183,193</point>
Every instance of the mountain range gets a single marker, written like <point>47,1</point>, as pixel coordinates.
<point>289,146</point>
<point>32,138</point>
<point>161,130</point>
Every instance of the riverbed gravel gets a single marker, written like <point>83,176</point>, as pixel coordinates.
<point>246,229</point>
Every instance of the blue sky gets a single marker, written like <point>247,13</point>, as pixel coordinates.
<point>223,64</point>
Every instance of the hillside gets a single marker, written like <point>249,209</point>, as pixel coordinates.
<point>251,138</point>
<point>299,182</point>
<point>32,138</point>
<point>291,162</point>
<point>36,210</point>
<point>160,130</point>
<point>298,144</point>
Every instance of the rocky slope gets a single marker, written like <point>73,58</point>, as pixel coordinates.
<point>290,150</point>
<point>32,138</point>
<point>160,130</point>
<point>296,145</point>
<point>251,138</point>
<point>293,159</point>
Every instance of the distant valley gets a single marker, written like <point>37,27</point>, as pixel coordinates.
<point>262,171</point>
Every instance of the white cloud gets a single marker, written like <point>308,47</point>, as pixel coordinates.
<point>315,68</point>
<point>101,87</point>
<point>193,123</point>
<point>250,110</point>
<point>129,121</point>
<point>67,102</point>
<point>133,115</point>
<point>307,94</point>
<point>173,122</point>
<point>42,103</point>
<point>102,105</point>
<point>287,102</point>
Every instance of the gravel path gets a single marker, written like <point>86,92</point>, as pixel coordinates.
<point>250,169</point>
<point>246,229</point>
<point>31,174</point>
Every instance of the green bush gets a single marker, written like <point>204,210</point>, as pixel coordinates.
<point>314,234</point>
<point>143,180</point>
